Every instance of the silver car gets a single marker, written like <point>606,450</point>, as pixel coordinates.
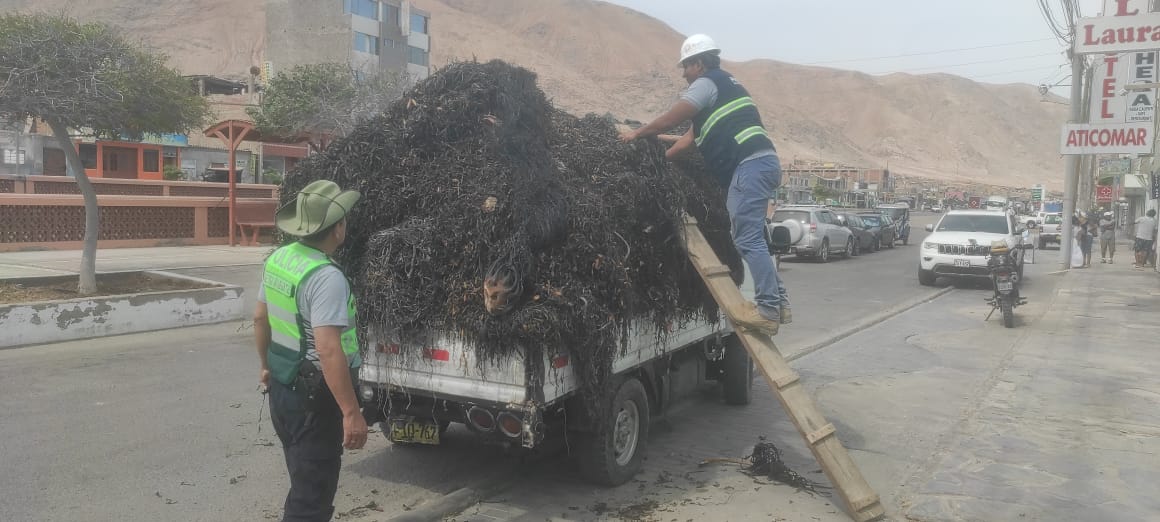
<point>812,231</point>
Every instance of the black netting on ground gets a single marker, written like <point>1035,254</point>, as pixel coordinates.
<point>473,172</point>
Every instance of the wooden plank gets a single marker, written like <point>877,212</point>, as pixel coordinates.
<point>862,502</point>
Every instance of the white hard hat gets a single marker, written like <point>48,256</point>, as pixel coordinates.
<point>697,44</point>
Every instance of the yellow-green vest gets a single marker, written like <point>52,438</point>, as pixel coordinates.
<point>286,269</point>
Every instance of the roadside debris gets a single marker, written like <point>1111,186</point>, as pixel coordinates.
<point>765,462</point>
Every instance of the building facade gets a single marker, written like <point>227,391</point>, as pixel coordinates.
<point>371,35</point>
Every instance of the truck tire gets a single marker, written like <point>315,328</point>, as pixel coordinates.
<point>737,383</point>
<point>615,452</point>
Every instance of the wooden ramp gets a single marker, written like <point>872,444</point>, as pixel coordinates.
<point>820,436</point>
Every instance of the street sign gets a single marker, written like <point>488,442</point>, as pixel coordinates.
<point>975,202</point>
<point>1127,25</point>
<point>1121,138</point>
<point>1037,194</point>
<point>1113,74</point>
<point>1104,194</point>
<point>1155,185</point>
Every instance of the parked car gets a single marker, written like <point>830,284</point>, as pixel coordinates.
<point>882,227</point>
<point>865,236</point>
<point>961,243</point>
<point>812,232</point>
<point>1050,229</point>
<point>900,214</point>
<point>936,208</point>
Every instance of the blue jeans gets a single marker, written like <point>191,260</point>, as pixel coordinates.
<point>753,184</point>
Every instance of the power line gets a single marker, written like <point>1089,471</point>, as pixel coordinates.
<point>1011,72</point>
<point>928,53</point>
<point>999,60</point>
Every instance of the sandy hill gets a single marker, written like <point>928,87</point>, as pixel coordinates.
<point>598,57</point>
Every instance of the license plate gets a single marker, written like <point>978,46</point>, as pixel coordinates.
<point>963,263</point>
<point>1005,286</point>
<point>414,431</point>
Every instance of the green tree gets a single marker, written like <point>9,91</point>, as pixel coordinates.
<point>822,193</point>
<point>317,102</point>
<point>89,79</point>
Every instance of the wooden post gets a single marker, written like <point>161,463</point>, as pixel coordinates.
<point>821,437</point>
<point>233,181</point>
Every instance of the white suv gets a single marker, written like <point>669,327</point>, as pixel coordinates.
<point>961,242</point>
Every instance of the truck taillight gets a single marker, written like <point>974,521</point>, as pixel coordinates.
<point>510,425</point>
<point>481,419</point>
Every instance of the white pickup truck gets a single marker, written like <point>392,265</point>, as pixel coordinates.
<point>525,401</point>
<point>1050,229</point>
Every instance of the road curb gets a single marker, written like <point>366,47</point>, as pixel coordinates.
<point>868,322</point>
<point>459,500</point>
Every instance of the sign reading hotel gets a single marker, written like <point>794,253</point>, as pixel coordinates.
<point>1121,118</point>
<point>1127,25</point>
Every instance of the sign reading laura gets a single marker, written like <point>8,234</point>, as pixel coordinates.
<point>1122,138</point>
<point>1127,25</point>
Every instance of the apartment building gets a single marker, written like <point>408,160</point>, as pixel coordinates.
<point>371,35</point>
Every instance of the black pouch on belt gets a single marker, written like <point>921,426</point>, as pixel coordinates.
<point>309,385</point>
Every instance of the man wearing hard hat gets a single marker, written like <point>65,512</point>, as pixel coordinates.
<point>304,325</point>
<point>727,129</point>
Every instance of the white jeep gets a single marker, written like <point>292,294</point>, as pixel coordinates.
<point>961,242</point>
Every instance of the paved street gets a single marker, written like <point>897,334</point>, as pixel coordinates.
<point>948,417</point>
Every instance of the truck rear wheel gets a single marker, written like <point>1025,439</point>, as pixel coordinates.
<point>737,383</point>
<point>615,452</point>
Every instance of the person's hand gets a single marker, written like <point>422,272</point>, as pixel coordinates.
<point>354,431</point>
<point>628,136</point>
<point>264,379</point>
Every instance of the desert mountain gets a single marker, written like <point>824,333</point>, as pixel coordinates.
<point>597,57</point>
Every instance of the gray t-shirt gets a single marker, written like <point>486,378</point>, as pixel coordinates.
<point>702,94</point>
<point>1145,228</point>
<point>322,300</point>
<point>1107,228</point>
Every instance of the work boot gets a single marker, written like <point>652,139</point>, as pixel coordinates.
<point>753,320</point>
<point>786,315</point>
<point>1103,261</point>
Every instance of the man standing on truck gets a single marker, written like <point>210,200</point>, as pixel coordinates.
<point>304,325</point>
<point>727,129</point>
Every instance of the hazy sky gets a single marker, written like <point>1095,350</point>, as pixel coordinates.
<point>846,34</point>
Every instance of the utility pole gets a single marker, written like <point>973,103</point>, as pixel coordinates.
<point>1071,178</point>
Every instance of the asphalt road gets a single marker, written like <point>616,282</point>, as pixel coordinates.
<point>169,426</point>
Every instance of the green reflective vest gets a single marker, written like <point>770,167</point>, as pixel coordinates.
<point>286,269</point>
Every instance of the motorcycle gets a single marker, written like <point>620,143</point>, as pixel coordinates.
<point>1005,275</point>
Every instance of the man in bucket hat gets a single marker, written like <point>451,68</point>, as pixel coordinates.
<point>304,325</point>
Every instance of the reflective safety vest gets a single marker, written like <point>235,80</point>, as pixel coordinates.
<point>286,269</point>
<point>731,130</point>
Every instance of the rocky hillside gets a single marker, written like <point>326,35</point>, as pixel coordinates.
<point>598,57</point>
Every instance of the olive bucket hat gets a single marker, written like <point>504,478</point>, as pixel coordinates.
<point>321,204</point>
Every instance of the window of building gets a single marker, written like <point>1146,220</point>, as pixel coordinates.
<point>152,160</point>
<point>389,44</point>
<point>391,15</point>
<point>418,56</point>
<point>111,162</point>
<point>88,152</point>
<point>13,157</point>
<point>418,24</point>
<point>366,43</point>
<point>363,8</point>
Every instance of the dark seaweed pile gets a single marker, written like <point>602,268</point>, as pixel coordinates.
<point>765,461</point>
<point>473,172</point>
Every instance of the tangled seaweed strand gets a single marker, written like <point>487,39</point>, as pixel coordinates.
<point>765,461</point>
<point>473,170</point>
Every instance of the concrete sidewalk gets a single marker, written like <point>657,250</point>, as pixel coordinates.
<point>59,262</point>
<point>1069,428</point>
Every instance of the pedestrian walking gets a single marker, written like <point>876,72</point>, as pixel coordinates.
<point>1145,235</point>
<point>1083,241</point>
<point>1107,238</point>
<point>304,325</point>
<point>739,153</point>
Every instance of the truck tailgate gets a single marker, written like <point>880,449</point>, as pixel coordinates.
<point>447,368</point>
